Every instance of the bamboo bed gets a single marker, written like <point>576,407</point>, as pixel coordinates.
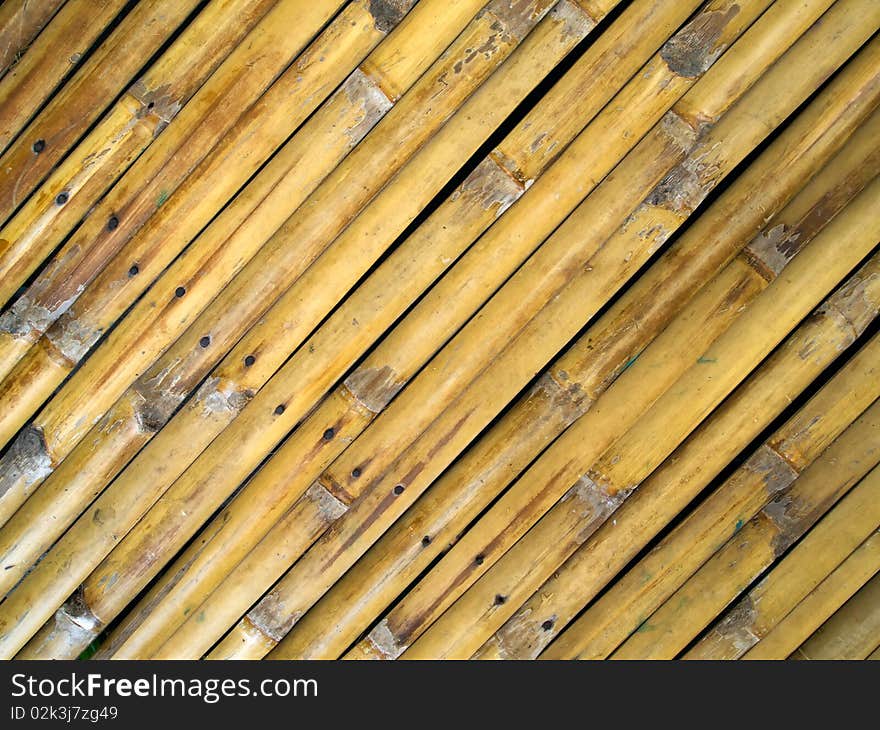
<point>442,329</point>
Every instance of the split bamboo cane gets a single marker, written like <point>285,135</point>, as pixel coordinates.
<point>816,608</point>
<point>519,19</point>
<point>65,40</point>
<point>852,521</point>
<point>464,627</point>
<point>853,632</point>
<point>758,543</point>
<point>200,612</point>
<point>550,41</point>
<point>494,99</point>
<point>375,502</point>
<point>81,100</point>
<point>20,22</point>
<point>469,486</point>
<point>408,126</point>
<point>142,415</point>
<point>177,87</point>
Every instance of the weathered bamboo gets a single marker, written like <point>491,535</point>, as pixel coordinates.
<point>853,632</point>
<point>313,573</point>
<point>66,39</point>
<point>497,95</point>
<point>82,99</point>
<point>550,41</point>
<point>758,542</point>
<point>478,613</point>
<point>816,608</point>
<point>20,22</point>
<point>608,622</point>
<point>351,336</point>
<point>144,111</point>
<point>519,19</point>
<point>303,487</point>
<point>852,521</point>
<point>144,408</point>
<point>463,492</point>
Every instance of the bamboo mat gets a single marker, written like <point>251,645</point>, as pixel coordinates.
<point>440,329</point>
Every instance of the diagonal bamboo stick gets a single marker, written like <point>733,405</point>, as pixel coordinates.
<point>463,492</point>
<point>497,95</point>
<point>852,521</point>
<point>137,416</point>
<point>313,573</point>
<point>817,607</point>
<point>403,132</point>
<point>322,429</point>
<point>20,22</point>
<point>608,622</point>
<point>519,18</point>
<point>853,632</point>
<point>464,627</point>
<point>758,543</point>
<point>60,46</point>
<point>81,100</point>
<point>145,110</point>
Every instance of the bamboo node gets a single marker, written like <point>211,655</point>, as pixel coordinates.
<point>491,184</point>
<point>364,92</point>
<point>384,642</point>
<point>691,51</point>
<point>26,462</point>
<point>271,619</point>
<point>683,188</point>
<point>215,398</point>
<point>563,395</point>
<point>575,20</point>
<point>789,517</point>
<point>373,388</point>
<point>858,300</point>
<point>388,13</point>
<point>516,17</point>
<point>773,468</point>
<point>71,338</point>
<point>28,319</point>
<point>329,507</point>
<point>157,102</point>
<point>771,251</point>
<point>736,627</point>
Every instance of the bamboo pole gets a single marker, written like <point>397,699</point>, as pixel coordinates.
<point>65,40</point>
<point>496,95</point>
<point>313,573</point>
<point>760,541</point>
<point>20,22</point>
<point>488,107</point>
<point>608,622</point>
<point>477,614</point>
<point>816,608</point>
<point>80,101</point>
<point>309,375</point>
<point>367,164</point>
<point>470,485</point>
<point>145,110</point>
<point>335,421</point>
<point>144,408</point>
<point>853,632</point>
<point>852,521</point>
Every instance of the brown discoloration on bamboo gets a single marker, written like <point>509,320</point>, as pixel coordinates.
<point>692,50</point>
<point>374,388</point>
<point>738,625</point>
<point>790,516</point>
<point>774,470</point>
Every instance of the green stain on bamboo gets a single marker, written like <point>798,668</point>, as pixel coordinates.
<point>163,196</point>
<point>737,526</point>
<point>705,360</point>
<point>629,363</point>
<point>643,627</point>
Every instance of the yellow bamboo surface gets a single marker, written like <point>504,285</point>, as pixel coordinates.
<point>378,329</point>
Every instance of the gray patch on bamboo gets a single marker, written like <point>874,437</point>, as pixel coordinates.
<point>373,388</point>
<point>787,515</point>
<point>691,51</point>
<point>858,300</point>
<point>772,250</point>
<point>225,400</point>
<point>736,627</point>
<point>523,636</point>
<point>363,92</point>
<point>565,396</point>
<point>26,462</point>
<point>683,188</point>
<point>157,102</point>
<point>773,469</point>
<point>593,498</point>
<point>270,617</point>
<point>329,507</point>
<point>28,319</point>
<point>576,23</point>
<point>516,17</point>
<point>71,338</point>
<point>490,184</point>
<point>388,13</point>
<point>74,627</point>
<point>384,642</point>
